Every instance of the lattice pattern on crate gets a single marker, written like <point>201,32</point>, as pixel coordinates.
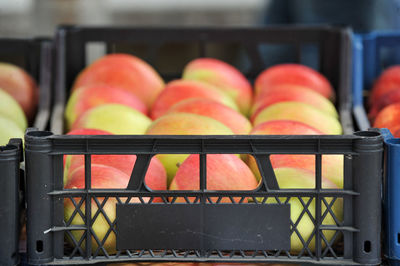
<point>330,228</point>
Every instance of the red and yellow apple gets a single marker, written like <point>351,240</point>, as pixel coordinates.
<point>294,178</point>
<point>10,109</point>
<point>300,112</point>
<point>126,72</point>
<point>224,77</point>
<point>229,117</point>
<point>331,165</point>
<point>155,179</point>
<point>86,98</point>
<point>115,118</point>
<point>179,90</point>
<point>21,86</point>
<point>293,74</point>
<point>283,93</point>
<point>224,172</point>
<point>9,129</point>
<point>183,124</point>
<point>101,177</point>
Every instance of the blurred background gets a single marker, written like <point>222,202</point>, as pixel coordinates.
<point>39,17</point>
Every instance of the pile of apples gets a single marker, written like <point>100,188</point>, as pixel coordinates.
<point>122,94</point>
<point>384,101</point>
<point>18,101</point>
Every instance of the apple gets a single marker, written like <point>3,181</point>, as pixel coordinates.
<point>282,93</point>
<point>294,178</point>
<point>10,108</point>
<point>86,98</point>
<point>397,133</point>
<point>126,72</point>
<point>389,117</point>
<point>389,80</point>
<point>179,90</point>
<point>300,112</point>
<point>229,117</point>
<point>183,124</point>
<point>223,76</point>
<point>155,179</point>
<point>294,74</point>
<point>331,165</point>
<point>114,118</point>
<point>21,86</point>
<point>102,176</point>
<point>224,172</point>
<point>390,97</point>
<point>9,129</point>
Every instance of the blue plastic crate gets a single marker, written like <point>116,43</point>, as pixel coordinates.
<point>372,53</point>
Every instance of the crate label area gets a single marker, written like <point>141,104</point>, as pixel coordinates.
<point>194,226</point>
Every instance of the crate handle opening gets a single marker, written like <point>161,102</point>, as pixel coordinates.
<point>39,246</point>
<point>367,246</point>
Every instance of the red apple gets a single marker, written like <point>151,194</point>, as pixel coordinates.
<point>294,74</point>
<point>389,117</point>
<point>224,77</point>
<point>390,97</point>
<point>224,172</point>
<point>179,90</point>
<point>282,93</point>
<point>86,98</point>
<point>387,81</point>
<point>21,86</point>
<point>229,117</point>
<point>126,72</point>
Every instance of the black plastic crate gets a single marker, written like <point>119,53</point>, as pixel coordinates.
<point>358,233</point>
<point>35,56</point>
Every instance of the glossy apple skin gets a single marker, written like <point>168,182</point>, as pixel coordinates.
<point>115,118</point>
<point>86,98</point>
<point>10,109</point>
<point>294,74</point>
<point>223,76</point>
<point>237,122</point>
<point>224,172</point>
<point>389,117</point>
<point>294,178</point>
<point>179,90</point>
<point>9,129</point>
<point>101,177</point>
<point>284,93</point>
<point>155,179</point>
<point>331,165</point>
<point>300,112</point>
<point>125,71</point>
<point>183,124</point>
<point>21,86</point>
